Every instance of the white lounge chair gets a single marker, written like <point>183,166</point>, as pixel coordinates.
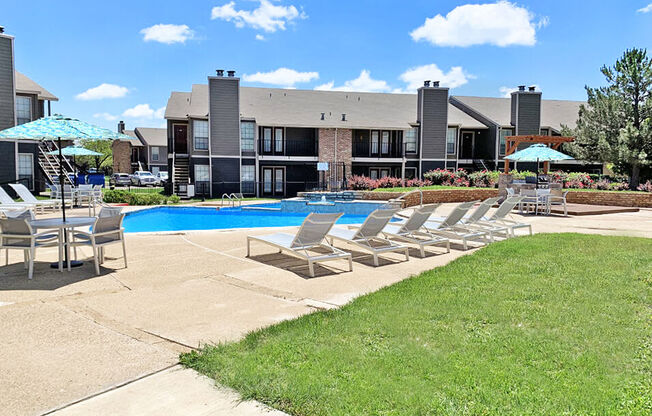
<point>451,227</point>
<point>367,237</point>
<point>412,230</point>
<point>474,221</point>
<point>106,230</point>
<point>27,197</point>
<point>17,234</point>
<point>499,216</point>
<point>311,236</point>
<point>7,201</point>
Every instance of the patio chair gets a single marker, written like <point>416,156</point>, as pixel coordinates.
<point>499,217</point>
<point>55,194</point>
<point>311,236</point>
<point>106,230</point>
<point>17,234</point>
<point>451,227</point>
<point>367,236</point>
<point>533,198</point>
<point>558,197</point>
<point>27,197</point>
<point>412,230</point>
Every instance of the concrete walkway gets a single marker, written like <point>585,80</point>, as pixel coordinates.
<point>69,336</point>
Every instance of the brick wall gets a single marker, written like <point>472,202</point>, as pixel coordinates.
<point>436,195</point>
<point>121,156</point>
<point>622,199</point>
<point>328,152</point>
<point>619,199</point>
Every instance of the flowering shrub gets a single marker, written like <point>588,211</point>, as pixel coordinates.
<point>619,186</point>
<point>388,182</point>
<point>416,183</point>
<point>603,184</point>
<point>645,187</point>
<point>484,179</point>
<point>447,177</point>
<point>578,180</point>
<point>360,183</point>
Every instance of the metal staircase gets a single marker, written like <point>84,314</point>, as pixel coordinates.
<point>481,164</point>
<point>49,164</point>
<point>180,176</point>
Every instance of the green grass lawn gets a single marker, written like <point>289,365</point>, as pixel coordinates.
<point>549,324</point>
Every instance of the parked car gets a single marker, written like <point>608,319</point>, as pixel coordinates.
<point>143,178</point>
<point>120,179</point>
<point>162,178</point>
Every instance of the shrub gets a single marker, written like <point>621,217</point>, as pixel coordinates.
<point>115,196</point>
<point>603,184</point>
<point>388,182</point>
<point>417,183</point>
<point>121,196</point>
<point>520,174</point>
<point>360,183</point>
<point>620,186</point>
<point>645,187</point>
<point>484,179</point>
<point>446,177</point>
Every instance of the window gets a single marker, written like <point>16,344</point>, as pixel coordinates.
<point>373,173</point>
<point>26,169</point>
<point>248,179</point>
<point>155,153</point>
<point>410,173</point>
<point>385,143</point>
<point>267,140</point>
<point>201,173</point>
<point>504,133</point>
<point>200,134</point>
<point>247,129</point>
<point>411,140</point>
<point>384,173</point>
<point>23,109</point>
<point>545,132</point>
<point>374,142</point>
<point>278,141</point>
<point>155,170</point>
<point>451,139</point>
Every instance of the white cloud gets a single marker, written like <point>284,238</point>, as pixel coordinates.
<point>105,116</point>
<point>501,24</point>
<point>415,76</point>
<point>646,9</point>
<point>167,34</point>
<point>144,111</point>
<point>103,91</point>
<point>267,16</point>
<point>260,37</point>
<point>284,77</point>
<point>543,22</point>
<point>506,92</point>
<point>363,83</point>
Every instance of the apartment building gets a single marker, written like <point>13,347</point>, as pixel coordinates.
<point>21,100</point>
<point>146,150</point>
<point>276,142</point>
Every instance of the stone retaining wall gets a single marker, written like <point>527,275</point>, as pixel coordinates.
<point>619,199</point>
<point>622,199</point>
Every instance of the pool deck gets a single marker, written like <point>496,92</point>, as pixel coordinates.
<point>109,344</point>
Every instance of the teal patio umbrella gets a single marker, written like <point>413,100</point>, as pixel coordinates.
<point>538,153</point>
<point>58,127</point>
<point>75,151</point>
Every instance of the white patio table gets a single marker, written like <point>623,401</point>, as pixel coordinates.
<point>63,227</point>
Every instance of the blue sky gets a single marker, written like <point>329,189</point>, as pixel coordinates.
<point>115,60</point>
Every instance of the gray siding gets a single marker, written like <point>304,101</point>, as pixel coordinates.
<point>529,113</point>
<point>226,175</point>
<point>224,115</point>
<point>6,83</point>
<point>434,121</point>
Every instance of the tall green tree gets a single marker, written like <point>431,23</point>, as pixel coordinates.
<point>98,162</point>
<point>615,125</point>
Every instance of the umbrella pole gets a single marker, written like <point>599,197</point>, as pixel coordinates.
<point>63,196</point>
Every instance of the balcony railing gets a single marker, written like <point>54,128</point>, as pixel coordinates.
<point>365,149</point>
<point>305,147</point>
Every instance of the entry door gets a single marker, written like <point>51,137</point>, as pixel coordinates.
<point>468,143</point>
<point>181,139</point>
<point>273,181</point>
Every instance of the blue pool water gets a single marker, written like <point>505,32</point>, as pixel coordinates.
<point>198,218</point>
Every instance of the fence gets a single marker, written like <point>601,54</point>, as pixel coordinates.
<point>264,188</point>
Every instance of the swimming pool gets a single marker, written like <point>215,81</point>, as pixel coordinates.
<point>205,218</point>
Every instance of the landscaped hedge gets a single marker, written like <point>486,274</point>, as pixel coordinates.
<point>121,196</point>
<point>489,179</point>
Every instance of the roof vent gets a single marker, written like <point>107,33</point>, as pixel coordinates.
<point>323,116</point>
<point>426,83</point>
<point>231,73</point>
<point>521,87</point>
<point>2,29</point>
<point>220,72</point>
<point>532,88</point>
<point>435,83</point>
<point>343,116</point>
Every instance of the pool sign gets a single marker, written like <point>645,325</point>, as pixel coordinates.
<point>322,166</point>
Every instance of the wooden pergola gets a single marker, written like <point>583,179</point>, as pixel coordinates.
<point>512,143</point>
